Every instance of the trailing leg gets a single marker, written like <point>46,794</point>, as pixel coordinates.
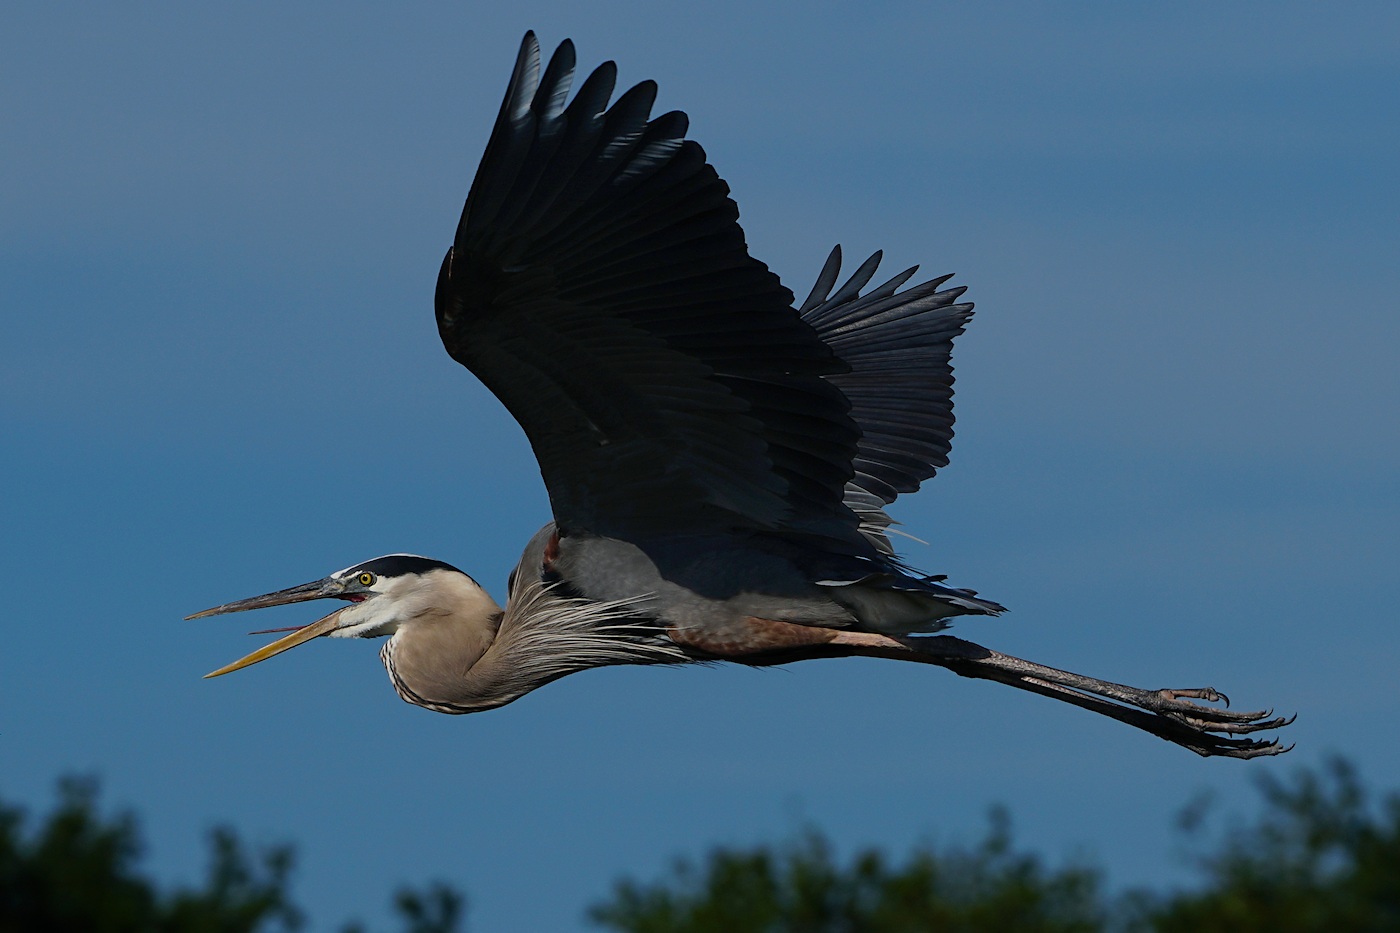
<point>1172,715</point>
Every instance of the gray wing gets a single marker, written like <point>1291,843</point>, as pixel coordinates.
<point>898,348</point>
<point>599,284</point>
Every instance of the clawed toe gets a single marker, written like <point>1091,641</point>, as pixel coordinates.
<point>1168,702</point>
<point>1210,694</point>
<point>1235,748</point>
<point>1234,728</point>
<point>1182,706</point>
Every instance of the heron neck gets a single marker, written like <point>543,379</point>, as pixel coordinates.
<point>445,661</point>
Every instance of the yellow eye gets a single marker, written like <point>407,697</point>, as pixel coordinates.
<point>366,579</point>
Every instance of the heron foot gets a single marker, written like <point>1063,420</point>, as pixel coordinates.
<point>1179,705</point>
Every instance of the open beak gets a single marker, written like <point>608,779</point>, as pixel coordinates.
<point>321,589</point>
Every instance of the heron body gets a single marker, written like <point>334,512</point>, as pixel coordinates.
<point>718,458</point>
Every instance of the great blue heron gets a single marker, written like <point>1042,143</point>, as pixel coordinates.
<point>718,461</point>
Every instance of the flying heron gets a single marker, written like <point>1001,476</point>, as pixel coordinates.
<point>718,460</point>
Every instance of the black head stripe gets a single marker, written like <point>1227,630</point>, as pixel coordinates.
<point>399,565</point>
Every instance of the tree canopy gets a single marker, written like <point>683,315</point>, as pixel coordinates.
<point>1321,855</point>
<point>78,872</point>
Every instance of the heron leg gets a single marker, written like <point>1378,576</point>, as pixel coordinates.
<point>1172,715</point>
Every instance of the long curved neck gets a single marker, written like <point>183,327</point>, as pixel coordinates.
<point>464,662</point>
<point>435,656</point>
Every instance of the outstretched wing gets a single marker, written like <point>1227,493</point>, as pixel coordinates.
<point>897,346</point>
<point>599,284</point>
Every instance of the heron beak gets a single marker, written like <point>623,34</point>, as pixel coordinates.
<point>320,589</point>
<point>304,634</point>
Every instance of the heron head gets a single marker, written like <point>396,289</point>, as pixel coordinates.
<point>383,594</point>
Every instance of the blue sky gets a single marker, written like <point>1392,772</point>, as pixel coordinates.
<point>1176,457</point>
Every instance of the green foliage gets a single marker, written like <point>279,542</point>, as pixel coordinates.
<point>78,873</point>
<point>436,911</point>
<point>802,887</point>
<point>1318,858</point>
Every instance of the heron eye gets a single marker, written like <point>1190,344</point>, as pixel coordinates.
<point>366,579</point>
